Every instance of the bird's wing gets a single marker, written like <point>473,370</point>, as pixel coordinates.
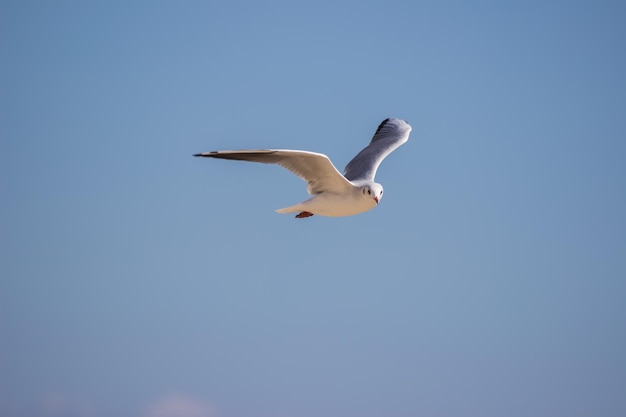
<point>391,133</point>
<point>315,168</point>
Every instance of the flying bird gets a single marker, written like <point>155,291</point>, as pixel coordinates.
<point>333,194</point>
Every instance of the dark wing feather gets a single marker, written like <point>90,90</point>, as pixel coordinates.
<point>391,133</point>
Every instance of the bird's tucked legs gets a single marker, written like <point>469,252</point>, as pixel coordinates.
<point>303,214</point>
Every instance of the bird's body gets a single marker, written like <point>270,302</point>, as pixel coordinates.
<point>333,204</point>
<point>333,194</point>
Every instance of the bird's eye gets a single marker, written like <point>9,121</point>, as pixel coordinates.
<point>369,191</point>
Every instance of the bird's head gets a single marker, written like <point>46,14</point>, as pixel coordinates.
<point>373,191</point>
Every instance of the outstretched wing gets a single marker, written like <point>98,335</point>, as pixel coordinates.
<point>391,133</point>
<point>315,168</point>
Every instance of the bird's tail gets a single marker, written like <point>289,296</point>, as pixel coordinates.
<point>290,209</point>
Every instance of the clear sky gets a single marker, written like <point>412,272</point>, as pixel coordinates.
<point>136,280</point>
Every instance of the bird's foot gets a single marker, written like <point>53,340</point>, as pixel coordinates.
<point>303,214</point>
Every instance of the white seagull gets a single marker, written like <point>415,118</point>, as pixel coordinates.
<point>333,194</point>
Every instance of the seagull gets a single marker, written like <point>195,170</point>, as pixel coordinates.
<point>333,194</point>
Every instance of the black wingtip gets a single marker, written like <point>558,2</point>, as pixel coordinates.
<point>197,154</point>
<point>383,123</point>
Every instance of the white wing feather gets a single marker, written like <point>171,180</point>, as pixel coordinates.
<point>315,168</point>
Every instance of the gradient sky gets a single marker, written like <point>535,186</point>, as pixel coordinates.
<point>136,280</point>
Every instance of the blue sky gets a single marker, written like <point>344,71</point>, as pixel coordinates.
<point>136,280</point>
